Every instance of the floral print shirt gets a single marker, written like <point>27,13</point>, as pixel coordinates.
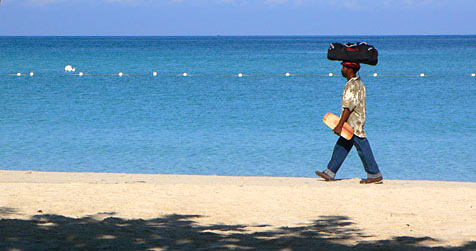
<point>353,98</point>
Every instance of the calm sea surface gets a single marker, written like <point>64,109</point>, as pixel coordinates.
<point>213,122</point>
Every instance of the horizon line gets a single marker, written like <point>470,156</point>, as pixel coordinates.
<point>218,35</point>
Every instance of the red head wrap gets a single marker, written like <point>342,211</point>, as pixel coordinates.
<point>355,66</point>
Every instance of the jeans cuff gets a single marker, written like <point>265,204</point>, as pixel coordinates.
<point>330,173</point>
<point>377,175</point>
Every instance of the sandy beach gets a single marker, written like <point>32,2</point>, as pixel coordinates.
<point>52,210</point>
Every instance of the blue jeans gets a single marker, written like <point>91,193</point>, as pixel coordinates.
<point>342,149</point>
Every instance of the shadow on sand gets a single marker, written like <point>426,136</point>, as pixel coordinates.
<point>180,232</point>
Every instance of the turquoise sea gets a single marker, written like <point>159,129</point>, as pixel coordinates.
<point>214,122</point>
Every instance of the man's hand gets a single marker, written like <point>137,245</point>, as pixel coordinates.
<point>343,118</point>
<point>338,129</point>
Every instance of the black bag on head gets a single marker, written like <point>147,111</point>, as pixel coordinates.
<point>357,53</point>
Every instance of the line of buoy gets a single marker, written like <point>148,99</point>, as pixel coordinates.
<point>70,68</point>
<point>185,74</point>
<point>19,74</point>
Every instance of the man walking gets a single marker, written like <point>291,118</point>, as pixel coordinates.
<point>353,112</point>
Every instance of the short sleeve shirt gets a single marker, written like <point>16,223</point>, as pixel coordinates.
<point>353,98</point>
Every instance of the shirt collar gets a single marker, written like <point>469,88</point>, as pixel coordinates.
<point>353,79</point>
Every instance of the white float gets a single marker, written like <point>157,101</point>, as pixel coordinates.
<point>240,75</point>
<point>120,74</point>
<point>154,74</point>
<point>80,74</point>
<point>68,68</point>
<point>422,74</point>
<point>73,70</point>
<point>375,75</point>
<point>185,74</point>
<point>331,74</point>
<point>18,74</point>
<point>473,74</point>
<point>32,74</point>
<point>287,74</point>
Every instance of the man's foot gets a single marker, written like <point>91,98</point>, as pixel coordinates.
<point>324,176</point>
<point>378,180</point>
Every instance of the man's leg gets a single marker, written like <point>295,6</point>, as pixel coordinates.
<point>368,160</point>
<point>341,150</point>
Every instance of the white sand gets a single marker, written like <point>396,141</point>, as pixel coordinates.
<point>399,212</point>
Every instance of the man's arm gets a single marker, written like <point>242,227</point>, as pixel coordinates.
<point>343,118</point>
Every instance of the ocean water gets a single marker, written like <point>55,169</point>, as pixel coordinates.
<point>213,122</point>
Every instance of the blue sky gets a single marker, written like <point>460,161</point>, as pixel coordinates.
<point>237,17</point>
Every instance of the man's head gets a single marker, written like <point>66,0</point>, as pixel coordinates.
<point>349,69</point>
